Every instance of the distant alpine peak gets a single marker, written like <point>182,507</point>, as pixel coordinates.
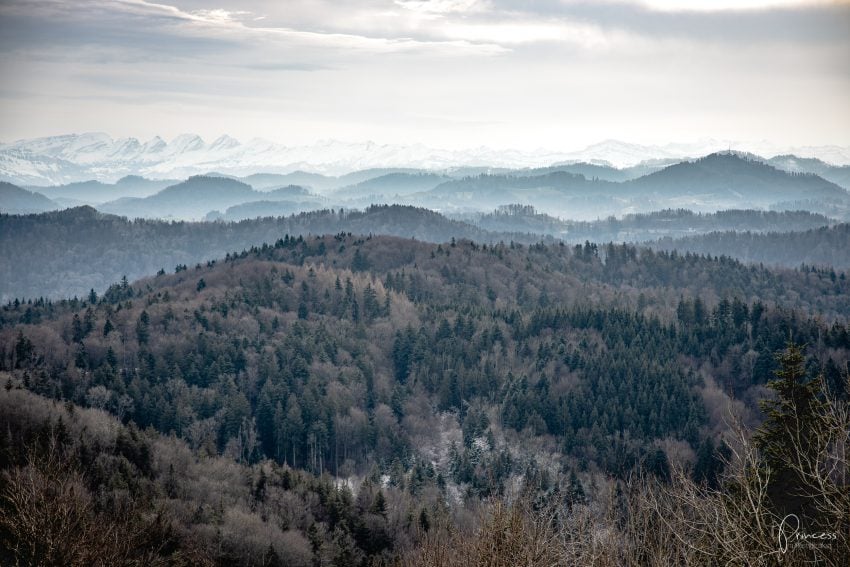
<point>224,142</point>
<point>155,144</point>
<point>186,143</point>
<point>96,155</point>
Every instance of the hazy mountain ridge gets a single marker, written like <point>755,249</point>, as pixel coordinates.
<point>391,184</point>
<point>715,182</point>
<point>193,199</point>
<point>94,192</point>
<point>263,209</point>
<point>645,226</point>
<point>80,157</point>
<point>601,171</point>
<point>268,181</point>
<point>840,175</point>
<point>737,176</point>
<point>16,200</point>
<point>198,196</point>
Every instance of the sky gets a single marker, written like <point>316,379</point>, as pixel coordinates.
<point>557,74</point>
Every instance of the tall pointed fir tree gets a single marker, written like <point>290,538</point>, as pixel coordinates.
<point>784,438</point>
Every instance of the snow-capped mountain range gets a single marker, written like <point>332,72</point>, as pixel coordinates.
<point>79,157</point>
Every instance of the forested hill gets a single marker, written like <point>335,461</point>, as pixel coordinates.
<point>70,252</point>
<point>440,374</point>
<point>733,175</point>
<point>822,248</point>
<point>647,226</point>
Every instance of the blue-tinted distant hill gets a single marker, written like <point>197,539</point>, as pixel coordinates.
<point>191,199</point>
<point>293,192</point>
<point>715,182</point>
<point>391,184</point>
<point>15,200</point>
<point>600,171</point>
<point>840,175</point>
<point>362,175</point>
<point>267,181</point>
<point>263,209</point>
<point>563,194</point>
<point>645,226</point>
<point>578,191</point>
<point>94,192</point>
<point>318,182</point>
<point>727,176</point>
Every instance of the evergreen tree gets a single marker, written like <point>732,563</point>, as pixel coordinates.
<point>658,464</point>
<point>346,553</point>
<point>77,333</point>
<point>424,521</point>
<point>143,328</point>
<point>293,426</point>
<point>575,492</point>
<point>710,462</point>
<point>88,322</point>
<point>360,263</point>
<point>789,425</point>
<point>379,504</point>
<point>371,307</point>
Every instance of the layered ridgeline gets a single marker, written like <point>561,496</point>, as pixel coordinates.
<point>569,191</point>
<point>715,182</point>
<point>840,175</point>
<point>67,253</point>
<point>70,252</point>
<point>15,200</point>
<point>644,226</point>
<point>96,192</point>
<point>196,197</point>
<point>583,191</point>
<point>339,398</point>
<point>823,248</point>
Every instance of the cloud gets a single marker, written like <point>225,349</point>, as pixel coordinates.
<point>221,26</point>
<point>220,16</point>
<point>444,6</point>
<point>282,66</point>
<point>549,72</point>
<point>513,32</point>
<point>236,24</point>
<point>733,5</point>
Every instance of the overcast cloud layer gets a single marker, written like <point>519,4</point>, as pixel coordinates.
<point>450,73</point>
